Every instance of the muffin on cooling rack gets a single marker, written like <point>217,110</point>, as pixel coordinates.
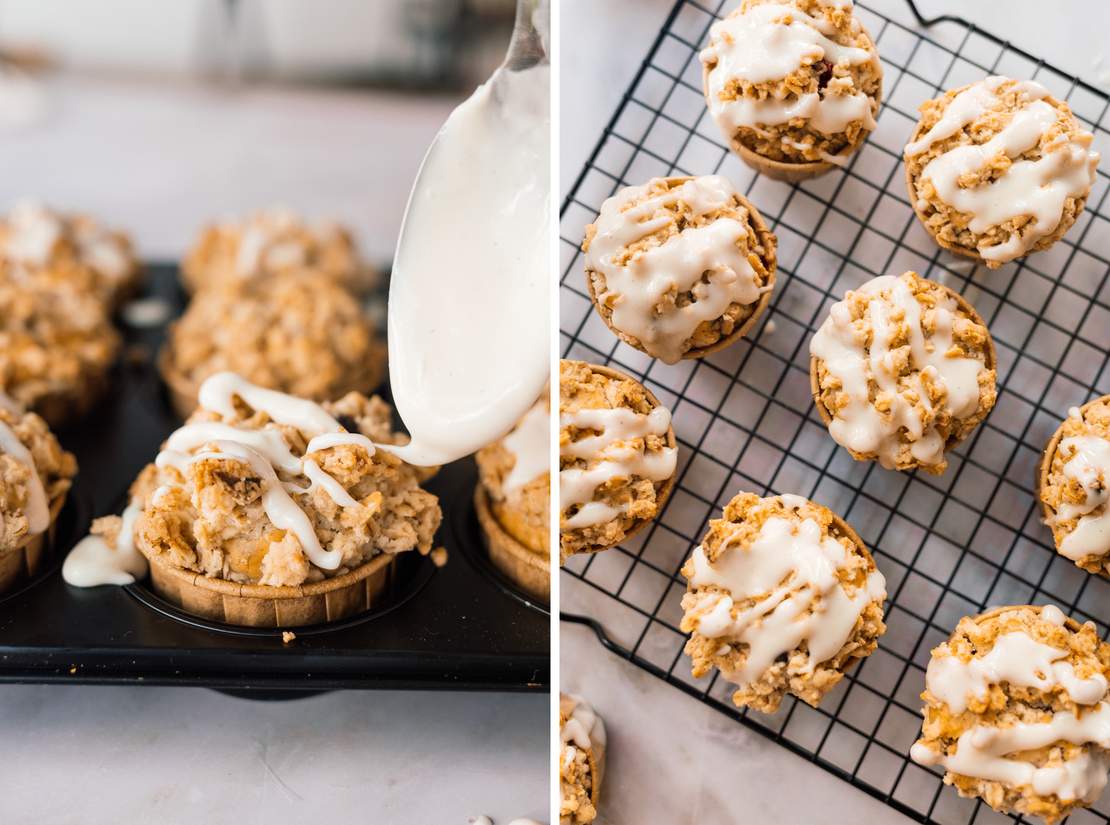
<point>679,267</point>
<point>272,241</point>
<point>35,476</point>
<point>513,500</point>
<point>56,348</point>
<point>1074,486</point>
<point>1016,711</point>
<point>998,169</point>
<point>902,370</point>
<point>266,509</point>
<point>581,760</point>
<point>794,86</point>
<point>782,597</point>
<point>617,457</point>
<point>37,242</point>
<point>299,332</point>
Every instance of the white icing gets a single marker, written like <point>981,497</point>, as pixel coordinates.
<point>38,509</point>
<point>791,573</point>
<point>34,231</point>
<point>704,260</point>
<point>1037,189</point>
<point>841,344</point>
<point>583,727</point>
<point>616,458</point>
<point>265,242</point>
<point>1090,466</point>
<point>217,392</point>
<point>530,445</point>
<point>93,561</point>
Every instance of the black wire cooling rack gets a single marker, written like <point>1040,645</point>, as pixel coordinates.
<point>950,545</point>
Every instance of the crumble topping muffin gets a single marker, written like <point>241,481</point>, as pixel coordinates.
<point>793,85</point>
<point>617,457</point>
<point>269,242</point>
<point>1016,711</point>
<point>56,347</point>
<point>581,760</point>
<point>1074,486</point>
<point>679,267</point>
<point>998,169</point>
<point>782,597</point>
<point>902,370</point>
<point>300,333</point>
<point>513,499</point>
<point>38,242</point>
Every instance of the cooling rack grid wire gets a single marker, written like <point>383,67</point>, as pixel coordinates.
<point>949,545</point>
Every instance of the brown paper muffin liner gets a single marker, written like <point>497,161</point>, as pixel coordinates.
<point>27,559</point>
<point>259,605</point>
<point>991,363</point>
<point>529,569</point>
<point>595,755</point>
<point>766,239</point>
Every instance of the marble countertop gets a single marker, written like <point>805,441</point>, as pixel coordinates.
<point>715,768</point>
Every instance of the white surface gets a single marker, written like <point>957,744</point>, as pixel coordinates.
<point>716,769</point>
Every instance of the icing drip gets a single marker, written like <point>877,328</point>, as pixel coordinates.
<point>841,344</point>
<point>584,727</point>
<point>265,242</point>
<point>760,46</point>
<point>615,457</point>
<point>93,561</point>
<point>38,509</point>
<point>1037,189</point>
<point>1090,466</point>
<point>790,572</point>
<point>530,444</point>
<point>702,260</point>
<point>35,231</point>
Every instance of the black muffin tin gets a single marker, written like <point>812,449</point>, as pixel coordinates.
<point>459,627</point>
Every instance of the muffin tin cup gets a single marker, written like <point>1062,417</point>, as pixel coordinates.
<point>766,239</point>
<point>529,570</point>
<point>28,559</point>
<point>991,364</point>
<point>182,391</point>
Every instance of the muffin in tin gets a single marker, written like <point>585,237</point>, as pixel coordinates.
<point>782,597</point>
<point>679,267</point>
<point>793,86</point>
<point>998,169</point>
<point>1016,711</point>
<point>299,332</point>
<point>902,370</point>
<point>582,745</point>
<point>617,457</point>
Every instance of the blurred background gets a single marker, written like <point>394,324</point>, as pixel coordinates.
<point>157,117</point>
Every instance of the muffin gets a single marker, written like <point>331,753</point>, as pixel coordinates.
<point>37,242</point>
<point>581,760</point>
<point>782,597</point>
<point>679,267</point>
<point>300,333</point>
<point>513,500</point>
<point>270,510</point>
<point>35,476</point>
<point>1074,486</point>
<point>902,371</point>
<point>617,457</point>
<point>1016,711</point>
<point>794,86</point>
<point>56,348</point>
<point>998,169</point>
<point>269,242</point>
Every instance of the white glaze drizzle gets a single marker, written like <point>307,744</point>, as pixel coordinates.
<point>93,561</point>
<point>703,260</point>
<point>264,242</point>
<point>615,457</point>
<point>791,572</point>
<point>38,509</point>
<point>530,445</point>
<point>1090,466</point>
<point>1034,188</point>
<point>840,344</point>
<point>583,727</point>
<point>34,231</point>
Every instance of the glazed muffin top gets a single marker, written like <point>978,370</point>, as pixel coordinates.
<point>999,168</point>
<point>581,735</point>
<point>299,332</point>
<point>36,241</point>
<point>904,371</point>
<point>1016,711</point>
<point>780,597</point>
<point>272,241</point>
<point>35,472</point>
<point>263,488</point>
<point>616,454</point>
<point>1075,488</point>
<point>678,264</point>
<point>794,81</point>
